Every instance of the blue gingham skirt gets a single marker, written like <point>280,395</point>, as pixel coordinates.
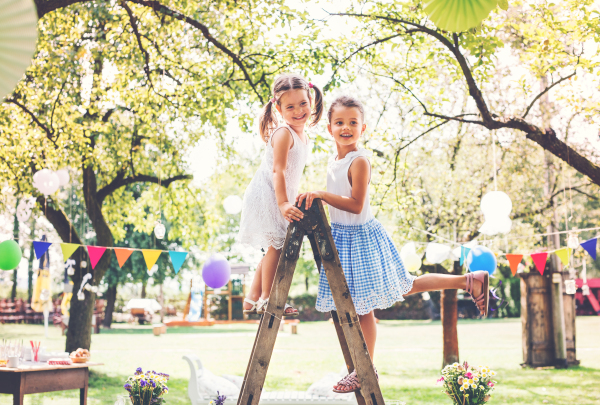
<point>374,271</point>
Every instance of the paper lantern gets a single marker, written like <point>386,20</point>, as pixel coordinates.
<point>482,258</point>
<point>458,15</point>
<point>159,230</point>
<point>216,271</point>
<point>18,37</point>
<point>232,204</point>
<point>573,241</point>
<point>496,203</point>
<point>10,255</point>
<point>436,252</point>
<point>410,258</point>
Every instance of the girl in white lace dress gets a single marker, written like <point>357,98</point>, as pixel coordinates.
<point>268,205</point>
<point>374,272</point>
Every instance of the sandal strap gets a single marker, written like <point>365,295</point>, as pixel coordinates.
<point>350,381</point>
<point>249,301</point>
<point>289,306</point>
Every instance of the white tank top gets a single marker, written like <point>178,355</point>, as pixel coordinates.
<point>338,183</point>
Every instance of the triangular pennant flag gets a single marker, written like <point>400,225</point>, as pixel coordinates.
<point>514,261</point>
<point>540,261</point>
<point>68,249</point>
<point>590,247</point>
<point>464,251</point>
<point>122,255</point>
<point>151,256</point>
<point>40,248</point>
<point>177,258</point>
<point>563,254</point>
<point>95,253</point>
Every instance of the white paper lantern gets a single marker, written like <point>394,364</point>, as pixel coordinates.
<point>232,204</point>
<point>496,204</point>
<point>573,241</point>
<point>570,287</point>
<point>63,177</point>
<point>159,230</point>
<point>495,226</point>
<point>80,296</point>
<point>436,253</point>
<point>70,271</point>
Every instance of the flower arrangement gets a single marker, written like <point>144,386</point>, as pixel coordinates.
<point>467,385</point>
<point>147,388</point>
<point>220,400</point>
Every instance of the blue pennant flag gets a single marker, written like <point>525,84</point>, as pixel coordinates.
<point>464,251</point>
<point>177,259</point>
<point>590,247</point>
<point>40,248</point>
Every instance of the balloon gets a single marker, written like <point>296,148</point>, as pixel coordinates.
<point>63,177</point>
<point>410,258</point>
<point>496,203</point>
<point>216,271</point>
<point>458,15</point>
<point>496,225</point>
<point>10,255</point>
<point>232,204</point>
<point>482,258</point>
<point>46,181</point>
<point>437,253</point>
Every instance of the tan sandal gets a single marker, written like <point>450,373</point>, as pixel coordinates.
<point>483,299</point>
<point>254,304</point>
<point>351,383</point>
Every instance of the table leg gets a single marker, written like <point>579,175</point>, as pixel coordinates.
<point>83,391</point>
<point>18,399</point>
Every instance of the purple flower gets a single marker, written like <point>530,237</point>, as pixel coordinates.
<point>127,387</point>
<point>138,371</point>
<point>220,399</point>
<point>143,383</point>
<point>153,384</point>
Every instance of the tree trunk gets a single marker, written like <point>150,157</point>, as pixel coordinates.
<point>306,282</point>
<point>13,293</point>
<point>143,295</point>
<point>111,297</point>
<point>30,265</point>
<point>449,315</point>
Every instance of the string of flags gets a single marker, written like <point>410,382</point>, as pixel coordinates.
<point>96,252</point>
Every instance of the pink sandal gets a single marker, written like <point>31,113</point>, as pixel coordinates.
<point>483,298</point>
<point>351,382</point>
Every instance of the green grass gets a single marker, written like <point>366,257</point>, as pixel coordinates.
<point>408,357</point>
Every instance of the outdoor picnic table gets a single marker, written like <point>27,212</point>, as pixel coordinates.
<point>35,378</point>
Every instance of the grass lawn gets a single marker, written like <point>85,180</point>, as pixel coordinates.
<point>408,357</point>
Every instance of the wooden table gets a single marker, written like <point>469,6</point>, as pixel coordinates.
<point>34,378</point>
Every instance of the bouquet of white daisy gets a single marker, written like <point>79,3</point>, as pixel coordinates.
<point>466,384</point>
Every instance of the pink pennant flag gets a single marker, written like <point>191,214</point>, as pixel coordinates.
<point>540,261</point>
<point>95,253</point>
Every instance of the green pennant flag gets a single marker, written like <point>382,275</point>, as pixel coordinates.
<point>68,249</point>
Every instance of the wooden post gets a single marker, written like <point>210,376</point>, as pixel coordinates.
<point>449,315</point>
<point>570,331</point>
<point>229,300</point>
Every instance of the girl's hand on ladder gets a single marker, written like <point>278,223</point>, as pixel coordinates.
<point>289,212</point>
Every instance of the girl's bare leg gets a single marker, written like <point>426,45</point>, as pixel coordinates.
<point>435,282</point>
<point>369,329</point>
<point>256,287</point>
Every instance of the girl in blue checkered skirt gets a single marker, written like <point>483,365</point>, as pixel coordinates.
<point>374,272</point>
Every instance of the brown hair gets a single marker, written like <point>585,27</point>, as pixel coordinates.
<point>348,102</point>
<point>268,119</point>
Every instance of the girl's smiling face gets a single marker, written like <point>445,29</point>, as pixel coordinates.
<point>294,107</point>
<point>346,125</point>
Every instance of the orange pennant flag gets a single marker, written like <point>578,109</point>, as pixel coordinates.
<point>514,261</point>
<point>122,255</point>
<point>151,256</point>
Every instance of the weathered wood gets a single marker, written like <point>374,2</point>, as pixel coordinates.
<point>449,317</point>
<point>345,307</point>
<point>525,324</point>
<point>256,371</point>
<point>570,331</point>
<point>315,225</point>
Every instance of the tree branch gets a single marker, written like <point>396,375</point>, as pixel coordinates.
<point>121,181</point>
<point>35,119</point>
<point>546,90</point>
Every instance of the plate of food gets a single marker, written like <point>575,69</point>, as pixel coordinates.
<point>80,356</point>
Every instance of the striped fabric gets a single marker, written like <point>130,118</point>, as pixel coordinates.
<point>374,271</point>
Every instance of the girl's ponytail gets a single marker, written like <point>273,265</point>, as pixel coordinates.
<point>268,121</point>
<point>318,111</point>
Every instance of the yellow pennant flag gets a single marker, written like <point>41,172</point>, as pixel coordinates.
<point>151,256</point>
<point>68,249</point>
<point>564,254</point>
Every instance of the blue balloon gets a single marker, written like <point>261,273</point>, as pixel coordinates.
<point>482,258</point>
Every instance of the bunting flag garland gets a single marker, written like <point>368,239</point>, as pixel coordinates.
<point>177,259</point>
<point>40,248</point>
<point>95,253</point>
<point>464,251</point>
<point>564,254</point>
<point>151,256</point>
<point>122,255</point>
<point>68,249</point>
<point>540,261</point>
<point>590,247</point>
<point>514,261</point>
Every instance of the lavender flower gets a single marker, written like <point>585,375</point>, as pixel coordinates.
<point>143,383</point>
<point>220,399</point>
<point>138,371</point>
<point>127,387</point>
<point>153,384</point>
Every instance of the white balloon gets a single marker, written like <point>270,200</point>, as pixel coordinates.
<point>412,263</point>
<point>46,181</point>
<point>496,225</point>
<point>23,210</point>
<point>436,252</point>
<point>63,177</point>
<point>408,249</point>
<point>232,204</point>
<point>496,203</point>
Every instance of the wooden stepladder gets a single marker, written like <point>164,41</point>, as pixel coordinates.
<point>316,227</point>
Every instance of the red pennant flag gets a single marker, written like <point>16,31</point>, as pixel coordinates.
<point>95,253</point>
<point>122,255</point>
<point>540,261</point>
<point>514,261</point>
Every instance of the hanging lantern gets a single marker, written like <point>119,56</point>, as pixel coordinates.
<point>70,271</point>
<point>80,296</point>
<point>573,241</point>
<point>570,287</point>
<point>83,264</point>
<point>585,289</point>
<point>159,230</point>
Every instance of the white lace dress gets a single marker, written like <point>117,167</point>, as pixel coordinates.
<point>262,224</point>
